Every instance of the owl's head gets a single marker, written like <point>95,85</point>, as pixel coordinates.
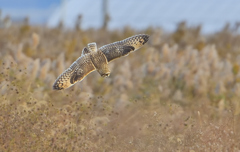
<point>104,71</point>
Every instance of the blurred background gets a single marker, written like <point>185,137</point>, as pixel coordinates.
<point>115,14</point>
<point>179,92</point>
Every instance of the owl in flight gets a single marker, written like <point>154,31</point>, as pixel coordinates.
<point>97,59</point>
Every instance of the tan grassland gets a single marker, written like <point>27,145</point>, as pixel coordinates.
<point>180,92</point>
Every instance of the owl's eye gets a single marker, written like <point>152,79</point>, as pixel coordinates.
<point>106,74</point>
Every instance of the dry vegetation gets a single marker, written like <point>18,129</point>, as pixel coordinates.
<point>180,92</point>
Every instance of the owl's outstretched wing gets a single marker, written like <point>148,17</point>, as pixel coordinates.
<point>124,47</point>
<point>75,73</point>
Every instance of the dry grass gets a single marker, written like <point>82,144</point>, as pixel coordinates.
<point>178,93</point>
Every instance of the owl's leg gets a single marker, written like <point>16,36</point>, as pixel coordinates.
<point>91,47</point>
<point>85,51</point>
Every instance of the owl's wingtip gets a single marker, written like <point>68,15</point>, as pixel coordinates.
<point>54,87</point>
<point>146,38</point>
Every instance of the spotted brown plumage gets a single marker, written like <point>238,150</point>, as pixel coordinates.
<point>76,72</point>
<point>97,59</point>
<point>124,47</point>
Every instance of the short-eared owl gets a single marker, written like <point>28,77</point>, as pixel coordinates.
<point>97,59</point>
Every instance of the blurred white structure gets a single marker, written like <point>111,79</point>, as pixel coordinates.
<point>140,14</point>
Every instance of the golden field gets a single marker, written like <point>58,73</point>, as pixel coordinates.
<point>180,92</point>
